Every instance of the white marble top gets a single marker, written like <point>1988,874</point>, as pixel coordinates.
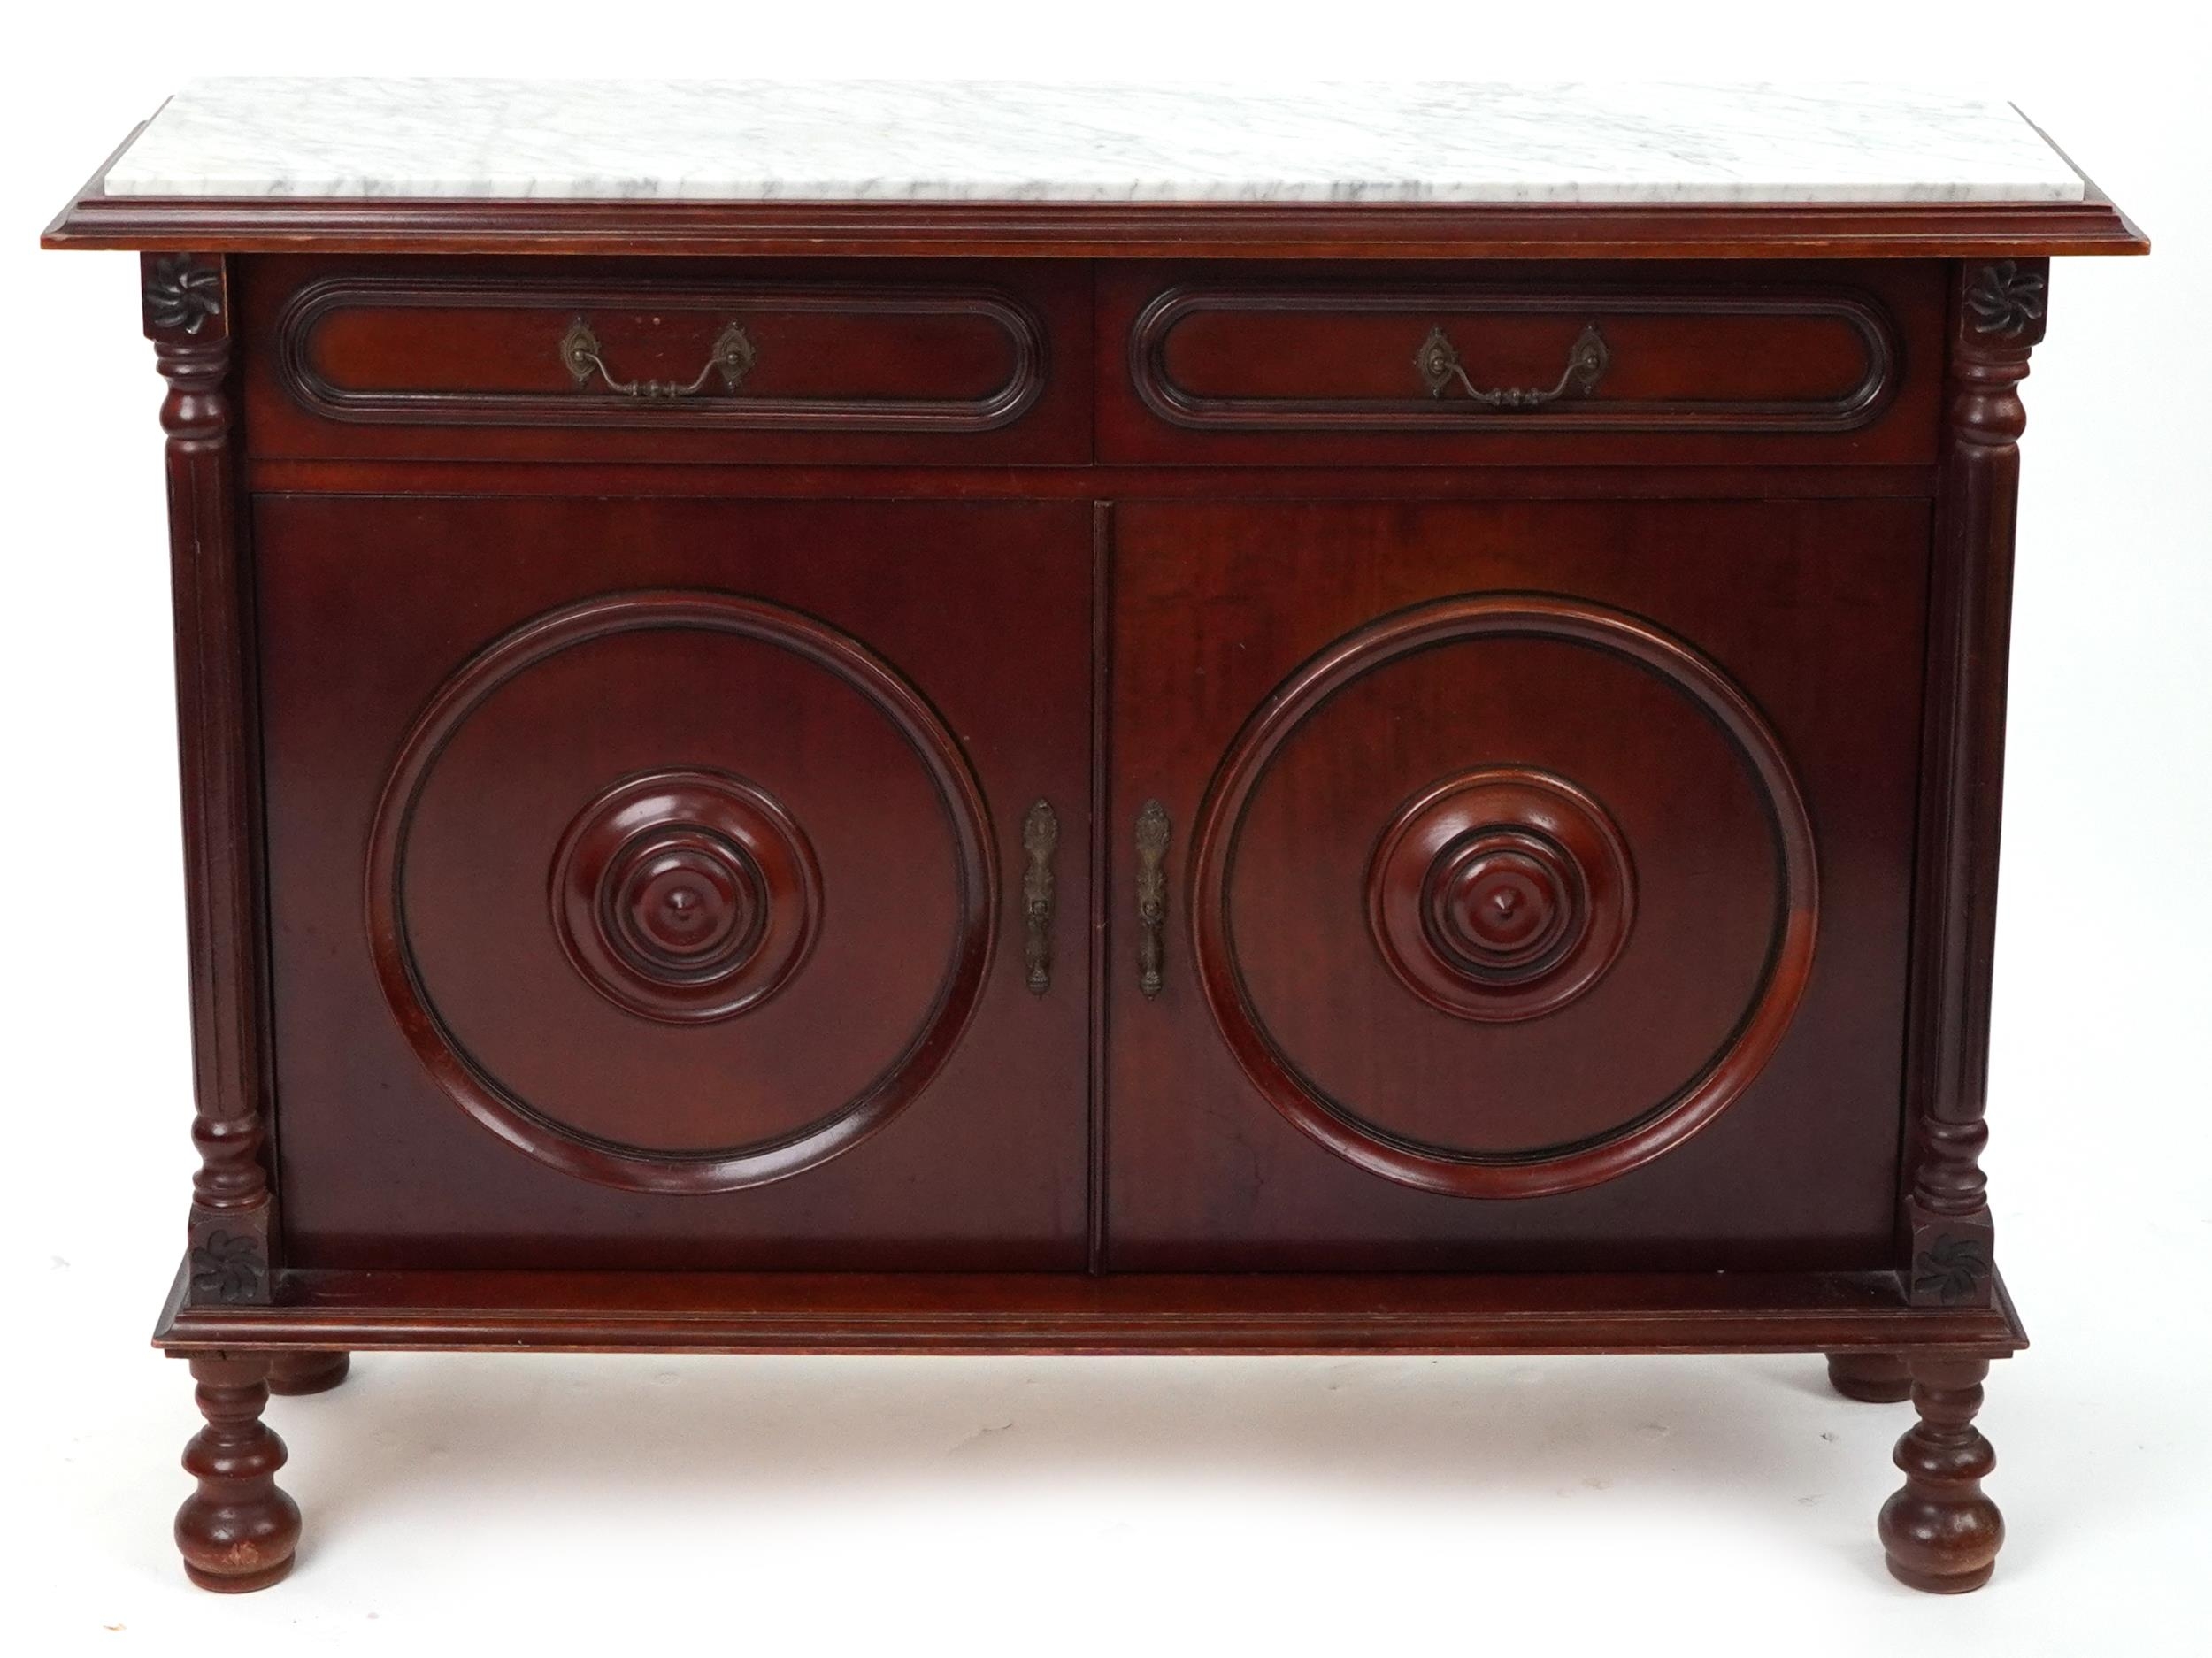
<point>1006,141</point>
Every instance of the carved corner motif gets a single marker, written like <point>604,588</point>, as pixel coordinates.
<point>229,1267</point>
<point>1953,1270</point>
<point>181,294</point>
<point>2007,299</point>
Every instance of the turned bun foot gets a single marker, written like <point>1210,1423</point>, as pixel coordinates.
<point>1941,1534</point>
<point>237,1531</point>
<point>293,1374</point>
<point>1874,1378</point>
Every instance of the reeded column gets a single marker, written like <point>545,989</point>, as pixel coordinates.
<point>188,318</point>
<point>1997,318</point>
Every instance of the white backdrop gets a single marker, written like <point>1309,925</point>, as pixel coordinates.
<point>983,1505</point>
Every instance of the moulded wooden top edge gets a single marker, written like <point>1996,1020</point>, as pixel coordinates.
<point>1098,230</point>
<point>1073,1312</point>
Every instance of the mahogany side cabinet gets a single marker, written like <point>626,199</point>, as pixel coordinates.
<point>1208,773</point>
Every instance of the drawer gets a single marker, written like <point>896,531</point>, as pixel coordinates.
<point>1619,363</point>
<point>699,362</point>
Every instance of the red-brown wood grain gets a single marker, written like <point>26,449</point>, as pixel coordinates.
<point>612,911</point>
<point>1813,610</point>
<point>1316,363</point>
<point>980,613</point>
<point>956,363</point>
<point>1062,1312</point>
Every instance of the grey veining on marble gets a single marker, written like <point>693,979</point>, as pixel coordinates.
<point>1007,141</point>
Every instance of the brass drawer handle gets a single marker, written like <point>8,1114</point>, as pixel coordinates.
<point>1041,837</point>
<point>1438,361</point>
<point>732,356</point>
<point>1152,837</point>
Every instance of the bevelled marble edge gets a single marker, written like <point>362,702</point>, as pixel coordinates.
<point>802,141</point>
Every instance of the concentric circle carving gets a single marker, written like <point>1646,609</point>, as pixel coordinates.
<point>1503,894</point>
<point>684,896</point>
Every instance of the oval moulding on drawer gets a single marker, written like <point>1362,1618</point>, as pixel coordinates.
<point>1422,371</point>
<point>685,365</point>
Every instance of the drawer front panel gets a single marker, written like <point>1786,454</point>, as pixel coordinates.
<point>690,363</point>
<point>1405,367</point>
<point>1535,884</point>
<point>653,887</point>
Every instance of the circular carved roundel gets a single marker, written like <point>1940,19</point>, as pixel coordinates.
<point>1501,895</point>
<point>683,896</point>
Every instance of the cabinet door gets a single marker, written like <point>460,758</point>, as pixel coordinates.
<point>648,881</point>
<point>1534,883</point>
